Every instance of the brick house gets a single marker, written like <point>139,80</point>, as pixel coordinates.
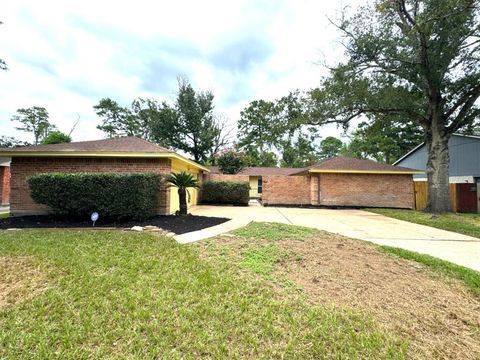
<point>340,181</point>
<point>129,154</point>
<point>4,181</point>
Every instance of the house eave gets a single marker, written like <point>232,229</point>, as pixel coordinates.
<point>385,172</point>
<point>91,154</point>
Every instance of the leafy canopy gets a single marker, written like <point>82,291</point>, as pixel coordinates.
<point>182,180</point>
<point>34,120</point>
<point>384,141</point>
<point>11,142</point>
<point>414,59</point>
<point>330,147</point>
<point>231,161</point>
<point>189,124</point>
<point>56,137</point>
<point>267,128</point>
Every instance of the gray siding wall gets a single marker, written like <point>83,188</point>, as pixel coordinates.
<point>464,157</point>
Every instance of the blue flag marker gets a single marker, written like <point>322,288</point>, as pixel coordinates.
<point>94,217</point>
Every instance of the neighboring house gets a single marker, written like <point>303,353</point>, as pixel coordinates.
<point>129,154</point>
<point>4,181</point>
<point>464,159</point>
<point>340,181</point>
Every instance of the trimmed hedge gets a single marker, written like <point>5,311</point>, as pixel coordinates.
<point>112,195</point>
<point>226,192</point>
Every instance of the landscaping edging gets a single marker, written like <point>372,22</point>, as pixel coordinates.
<point>167,223</point>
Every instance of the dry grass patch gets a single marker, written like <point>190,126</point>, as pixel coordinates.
<point>437,314</point>
<point>20,278</point>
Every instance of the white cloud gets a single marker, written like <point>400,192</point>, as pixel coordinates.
<point>67,55</point>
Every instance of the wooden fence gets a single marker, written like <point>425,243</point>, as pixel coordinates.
<point>458,203</point>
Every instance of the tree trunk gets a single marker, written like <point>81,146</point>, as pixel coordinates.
<point>437,172</point>
<point>182,196</point>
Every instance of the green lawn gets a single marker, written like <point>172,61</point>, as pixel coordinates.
<point>468,224</point>
<point>469,277</point>
<point>135,295</point>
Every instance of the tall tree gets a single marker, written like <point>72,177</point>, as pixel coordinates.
<point>56,137</point>
<point>264,158</point>
<point>258,131</point>
<point>418,59</point>
<point>384,141</point>
<point>34,120</point>
<point>11,142</point>
<point>269,127</point>
<point>299,153</point>
<point>116,120</point>
<point>190,125</point>
<point>330,147</point>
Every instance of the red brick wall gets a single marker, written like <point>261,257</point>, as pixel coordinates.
<point>367,190</point>
<point>23,167</point>
<point>286,190</point>
<point>225,177</point>
<point>4,185</point>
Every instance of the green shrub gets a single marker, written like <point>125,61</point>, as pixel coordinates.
<point>226,192</point>
<point>113,196</point>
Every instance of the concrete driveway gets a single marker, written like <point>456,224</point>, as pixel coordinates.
<point>460,249</point>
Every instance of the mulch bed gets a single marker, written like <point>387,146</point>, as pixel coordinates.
<point>176,224</point>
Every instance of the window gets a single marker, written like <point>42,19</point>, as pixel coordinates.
<point>259,186</point>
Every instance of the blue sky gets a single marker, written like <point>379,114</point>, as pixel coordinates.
<point>67,55</point>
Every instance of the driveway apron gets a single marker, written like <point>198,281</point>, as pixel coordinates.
<point>457,248</point>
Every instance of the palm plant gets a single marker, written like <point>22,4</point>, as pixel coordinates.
<point>182,180</point>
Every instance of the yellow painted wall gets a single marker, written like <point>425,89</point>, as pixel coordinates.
<point>178,166</point>
<point>254,186</point>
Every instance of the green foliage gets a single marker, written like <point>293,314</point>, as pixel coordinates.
<point>139,294</point>
<point>112,195</point>
<point>256,128</point>
<point>11,142</point>
<point>468,224</point>
<point>384,141</point>
<point>189,125</point>
<point>262,260</point>
<point>300,153</point>
<point>34,120</point>
<point>137,120</point>
<point>225,192</point>
<point>416,60</point>
<point>182,181</point>
<point>231,162</point>
<point>330,147</point>
<point>267,127</point>
<point>56,137</point>
<point>264,158</point>
<point>275,231</point>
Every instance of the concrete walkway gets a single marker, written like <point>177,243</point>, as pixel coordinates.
<point>460,249</point>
